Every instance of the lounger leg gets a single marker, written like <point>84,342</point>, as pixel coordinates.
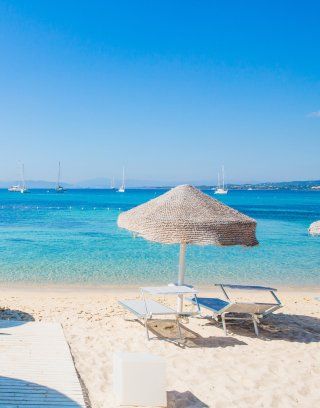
<point>255,325</point>
<point>224,324</point>
<point>146,326</point>
<point>179,329</point>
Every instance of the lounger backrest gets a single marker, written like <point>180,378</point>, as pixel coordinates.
<point>143,308</point>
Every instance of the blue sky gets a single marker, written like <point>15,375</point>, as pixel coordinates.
<point>170,89</point>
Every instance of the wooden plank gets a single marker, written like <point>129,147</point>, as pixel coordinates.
<point>36,367</point>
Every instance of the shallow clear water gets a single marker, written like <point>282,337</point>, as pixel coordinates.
<point>73,237</point>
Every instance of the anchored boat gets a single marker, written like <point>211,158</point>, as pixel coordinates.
<point>220,187</point>
<point>22,187</point>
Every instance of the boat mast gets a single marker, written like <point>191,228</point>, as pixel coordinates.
<point>23,183</point>
<point>222,177</point>
<point>58,184</point>
<point>123,177</point>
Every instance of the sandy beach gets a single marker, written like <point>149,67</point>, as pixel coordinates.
<point>281,368</point>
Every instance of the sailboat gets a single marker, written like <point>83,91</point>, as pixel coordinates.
<point>122,188</point>
<point>59,188</point>
<point>22,187</point>
<point>220,188</point>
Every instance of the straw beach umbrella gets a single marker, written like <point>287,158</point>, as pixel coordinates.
<point>185,215</point>
<point>314,228</point>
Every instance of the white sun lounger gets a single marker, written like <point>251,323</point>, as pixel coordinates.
<point>233,310</point>
<point>146,309</point>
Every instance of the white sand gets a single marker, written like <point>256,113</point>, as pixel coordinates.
<point>279,369</point>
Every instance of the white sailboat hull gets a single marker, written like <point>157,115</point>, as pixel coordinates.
<point>18,189</point>
<point>221,191</point>
<point>60,189</point>
<point>14,189</point>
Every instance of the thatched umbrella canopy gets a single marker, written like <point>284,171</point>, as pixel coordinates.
<point>185,215</point>
<point>314,228</point>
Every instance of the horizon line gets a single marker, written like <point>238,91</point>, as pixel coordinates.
<point>157,184</point>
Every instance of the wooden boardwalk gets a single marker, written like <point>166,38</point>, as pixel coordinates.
<point>36,367</point>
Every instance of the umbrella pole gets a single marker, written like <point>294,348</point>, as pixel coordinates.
<point>182,269</point>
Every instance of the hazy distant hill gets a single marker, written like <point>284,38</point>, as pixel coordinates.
<point>105,183</point>
<point>34,184</point>
<point>282,185</point>
<point>101,182</point>
<point>98,183</point>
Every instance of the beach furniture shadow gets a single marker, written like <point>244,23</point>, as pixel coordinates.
<point>166,329</point>
<point>280,326</point>
<point>13,318</point>
<point>293,328</point>
<point>17,316</point>
<point>15,392</point>
<point>184,400</point>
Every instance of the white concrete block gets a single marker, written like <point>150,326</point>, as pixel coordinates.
<point>139,379</point>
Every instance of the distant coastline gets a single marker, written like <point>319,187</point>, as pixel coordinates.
<point>308,185</point>
<point>103,184</point>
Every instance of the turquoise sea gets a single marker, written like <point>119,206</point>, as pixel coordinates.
<point>73,237</point>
